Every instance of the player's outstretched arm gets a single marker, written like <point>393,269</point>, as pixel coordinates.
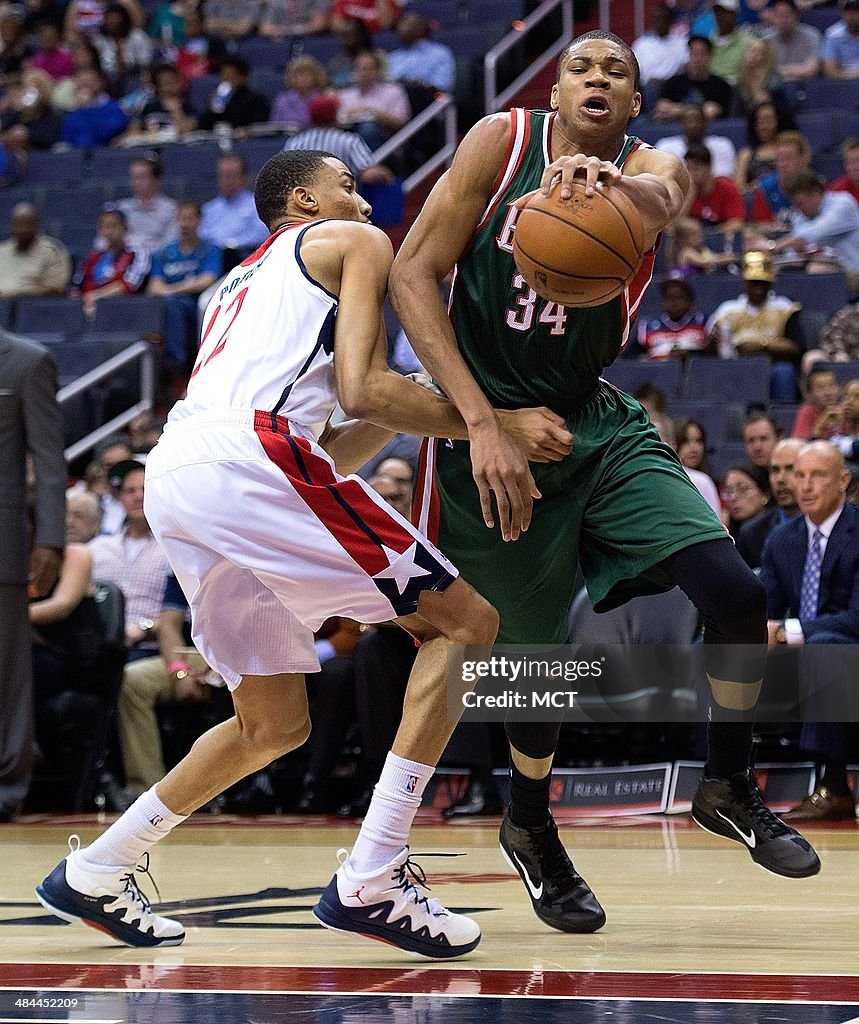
<point>657,183</point>
<point>435,242</point>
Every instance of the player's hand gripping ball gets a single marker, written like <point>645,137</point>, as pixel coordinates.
<point>582,251</point>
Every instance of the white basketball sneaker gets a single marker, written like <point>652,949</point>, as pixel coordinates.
<point>107,900</point>
<point>388,906</point>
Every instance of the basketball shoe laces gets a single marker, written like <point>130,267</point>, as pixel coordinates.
<point>556,865</point>
<point>409,873</point>
<point>760,816</point>
<point>131,893</point>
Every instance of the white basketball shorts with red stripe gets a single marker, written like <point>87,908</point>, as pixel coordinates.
<point>268,541</point>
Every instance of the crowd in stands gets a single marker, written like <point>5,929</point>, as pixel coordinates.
<point>729,87</point>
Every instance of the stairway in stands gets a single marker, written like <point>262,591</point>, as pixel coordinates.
<point>535,94</point>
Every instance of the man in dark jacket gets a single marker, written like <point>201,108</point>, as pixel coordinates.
<point>753,534</point>
<point>810,570</point>
<point>30,423</point>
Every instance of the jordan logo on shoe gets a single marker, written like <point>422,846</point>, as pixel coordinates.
<point>535,890</point>
<point>357,896</point>
<point>749,839</point>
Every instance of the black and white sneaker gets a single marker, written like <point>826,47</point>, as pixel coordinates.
<point>734,809</point>
<point>107,900</point>
<point>387,906</point>
<point>559,895</point>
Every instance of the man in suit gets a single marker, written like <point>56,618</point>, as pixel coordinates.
<point>810,570</point>
<point>30,423</point>
<point>753,534</point>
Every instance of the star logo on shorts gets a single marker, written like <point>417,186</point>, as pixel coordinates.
<point>401,566</point>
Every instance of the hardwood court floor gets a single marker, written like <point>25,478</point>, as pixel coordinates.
<point>677,899</point>
<point>696,934</point>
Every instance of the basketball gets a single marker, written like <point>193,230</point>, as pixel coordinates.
<point>582,251</point>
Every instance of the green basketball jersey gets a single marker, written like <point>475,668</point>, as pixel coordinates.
<point>524,350</point>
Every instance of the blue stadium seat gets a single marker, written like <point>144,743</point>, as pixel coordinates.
<point>77,238</point>
<point>819,128</point>
<point>849,123</point>
<point>268,81</point>
<point>56,168</point>
<point>112,164</point>
<point>822,293</point>
<point>784,415</point>
<point>725,456</point>
<point>195,160</point>
<point>733,128</point>
<point>711,416</point>
<point>200,90</point>
<point>472,40</point>
<point>257,151</point>
<point>744,381</point>
<point>82,207</point>
<point>74,357</point>
<point>830,94</point>
<point>48,314</point>
<point>134,315</point>
<point>843,371</point>
<point>482,11</point>
<point>821,17</point>
<point>443,13</point>
<point>653,131</point>
<point>387,40</point>
<point>829,165</point>
<point>265,53</point>
<point>713,289</point>
<point>6,308</point>
<point>323,48</point>
<point>629,375</point>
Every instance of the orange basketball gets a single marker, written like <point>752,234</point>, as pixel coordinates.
<point>582,251</point>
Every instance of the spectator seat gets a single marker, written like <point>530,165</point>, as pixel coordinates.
<point>629,375</point>
<point>33,315</point>
<point>743,381</point>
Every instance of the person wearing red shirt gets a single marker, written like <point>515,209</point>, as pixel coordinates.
<point>115,270</point>
<point>715,202</point>
<point>849,181</point>
<point>821,396</point>
<point>377,15</point>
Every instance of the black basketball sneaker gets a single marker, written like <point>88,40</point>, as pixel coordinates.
<point>561,898</point>
<point>734,809</point>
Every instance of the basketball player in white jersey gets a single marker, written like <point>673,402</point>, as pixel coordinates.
<point>268,540</point>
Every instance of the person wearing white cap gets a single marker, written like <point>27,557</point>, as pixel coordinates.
<point>730,42</point>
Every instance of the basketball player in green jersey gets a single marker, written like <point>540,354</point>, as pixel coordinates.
<point>620,503</point>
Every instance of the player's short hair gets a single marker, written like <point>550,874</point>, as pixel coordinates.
<point>849,145</point>
<point>280,176</point>
<point>601,34</point>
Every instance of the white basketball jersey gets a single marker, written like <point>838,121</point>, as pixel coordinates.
<point>268,340</point>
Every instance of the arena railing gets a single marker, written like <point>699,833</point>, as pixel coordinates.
<point>140,350</point>
<point>495,100</point>
<point>442,108</point>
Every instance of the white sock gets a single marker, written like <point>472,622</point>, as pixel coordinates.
<point>396,799</point>
<point>129,837</point>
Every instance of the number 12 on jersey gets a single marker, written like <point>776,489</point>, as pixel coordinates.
<point>234,308</point>
<point>521,317</point>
